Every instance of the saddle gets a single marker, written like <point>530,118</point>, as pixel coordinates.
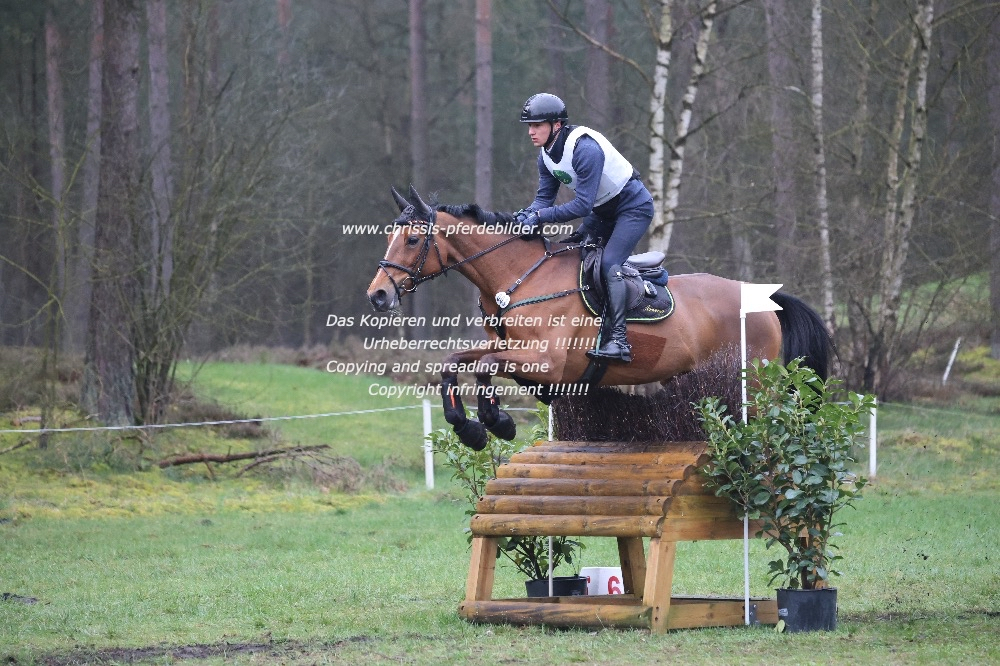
<point>649,300</point>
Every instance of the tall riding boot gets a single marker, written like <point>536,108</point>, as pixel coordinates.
<point>616,347</point>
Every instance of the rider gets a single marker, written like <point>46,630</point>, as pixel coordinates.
<point>617,206</point>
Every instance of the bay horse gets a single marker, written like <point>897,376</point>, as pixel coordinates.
<point>429,241</point>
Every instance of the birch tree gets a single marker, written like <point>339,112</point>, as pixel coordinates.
<point>660,236</point>
<point>900,192</point>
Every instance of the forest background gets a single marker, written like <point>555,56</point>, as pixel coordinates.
<point>181,177</point>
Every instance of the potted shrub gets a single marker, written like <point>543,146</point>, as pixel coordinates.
<point>529,554</point>
<point>788,467</point>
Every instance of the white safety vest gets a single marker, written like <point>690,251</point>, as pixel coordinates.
<point>617,170</point>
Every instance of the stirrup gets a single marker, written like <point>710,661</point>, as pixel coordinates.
<point>613,350</point>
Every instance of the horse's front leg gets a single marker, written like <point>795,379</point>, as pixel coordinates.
<point>495,419</point>
<point>470,432</point>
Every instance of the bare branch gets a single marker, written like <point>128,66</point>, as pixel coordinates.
<point>233,457</point>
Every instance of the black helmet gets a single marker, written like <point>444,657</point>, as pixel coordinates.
<point>542,108</point>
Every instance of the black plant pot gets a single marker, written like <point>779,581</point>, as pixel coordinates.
<point>808,610</point>
<point>562,586</point>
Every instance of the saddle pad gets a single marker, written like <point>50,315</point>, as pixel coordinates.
<point>642,308</point>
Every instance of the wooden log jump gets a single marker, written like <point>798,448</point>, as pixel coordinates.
<point>629,491</point>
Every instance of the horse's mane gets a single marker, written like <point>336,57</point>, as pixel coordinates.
<point>486,218</point>
<point>476,212</point>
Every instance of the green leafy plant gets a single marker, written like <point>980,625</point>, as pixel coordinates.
<point>473,469</point>
<point>788,466</point>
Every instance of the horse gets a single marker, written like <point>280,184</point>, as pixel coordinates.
<point>530,341</point>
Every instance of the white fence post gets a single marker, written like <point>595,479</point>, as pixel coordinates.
<point>428,449</point>
<point>873,441</point>
<point>951,361</point>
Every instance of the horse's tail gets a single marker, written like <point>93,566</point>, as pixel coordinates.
<point>803,333</point>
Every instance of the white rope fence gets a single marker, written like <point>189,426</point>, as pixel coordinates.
<point>151,426</point>
<point>425,406</point>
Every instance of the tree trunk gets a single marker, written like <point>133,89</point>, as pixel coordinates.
<point>597,87</point>
<point>109,374</point>
<point>57,146</point>
<point>860,216</point>
<point>79,305</point>
<point>555,51</point>
<point>484,126</point>
<point>284,23</point>
<point>161,225</point>
<point>819,165</point>
<point>659,234</point>
<point>421,298</point>
<point>683,128</point>
<point>484,104</point>
<point>901,192</point>
<point>993,69</point>
<point>56,113</point>
<point>660,239</point>
<point>781,72</point>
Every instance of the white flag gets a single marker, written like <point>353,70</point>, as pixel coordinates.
<point>753,298</point>
<point>757,297</point>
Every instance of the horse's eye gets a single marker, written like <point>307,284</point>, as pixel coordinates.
<point>413,240</point>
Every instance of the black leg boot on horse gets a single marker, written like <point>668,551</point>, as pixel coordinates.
<point>614,345</point>
<point>470,432</point>
<point>495,419</point>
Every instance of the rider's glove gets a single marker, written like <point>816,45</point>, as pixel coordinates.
<point>531,226</point>
<point>522,215</point>
<point>578,236</point>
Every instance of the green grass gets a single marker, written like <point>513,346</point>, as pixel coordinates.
<point>386,579</point>
<point>168,566</point>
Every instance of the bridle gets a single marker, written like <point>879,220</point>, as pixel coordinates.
<point>414,272</point>
<point>414,211</point>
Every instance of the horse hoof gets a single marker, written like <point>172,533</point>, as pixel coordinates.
<point>504,428</point>
<point>472,434</point>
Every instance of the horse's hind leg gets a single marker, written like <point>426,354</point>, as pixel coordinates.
<point>470,432</point>
<point>496,420</point>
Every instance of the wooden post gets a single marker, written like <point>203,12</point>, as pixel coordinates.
<point>479,586</point>
<point>659,581</point>
<point>633,561</point>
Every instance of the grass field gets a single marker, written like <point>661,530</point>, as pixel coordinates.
<point>173,566</point>
<point>267,389</point>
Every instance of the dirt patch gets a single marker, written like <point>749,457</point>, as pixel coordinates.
<point>181,652</point>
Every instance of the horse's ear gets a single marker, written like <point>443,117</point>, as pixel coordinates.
<point>400,200</point>
<point>418,203</point>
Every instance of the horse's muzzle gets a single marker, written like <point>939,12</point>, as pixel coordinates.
<point>382,300</point>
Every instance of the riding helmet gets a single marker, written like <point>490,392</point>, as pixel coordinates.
<point>542,108</point>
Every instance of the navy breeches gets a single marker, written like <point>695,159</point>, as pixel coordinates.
<point>623,232</point>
